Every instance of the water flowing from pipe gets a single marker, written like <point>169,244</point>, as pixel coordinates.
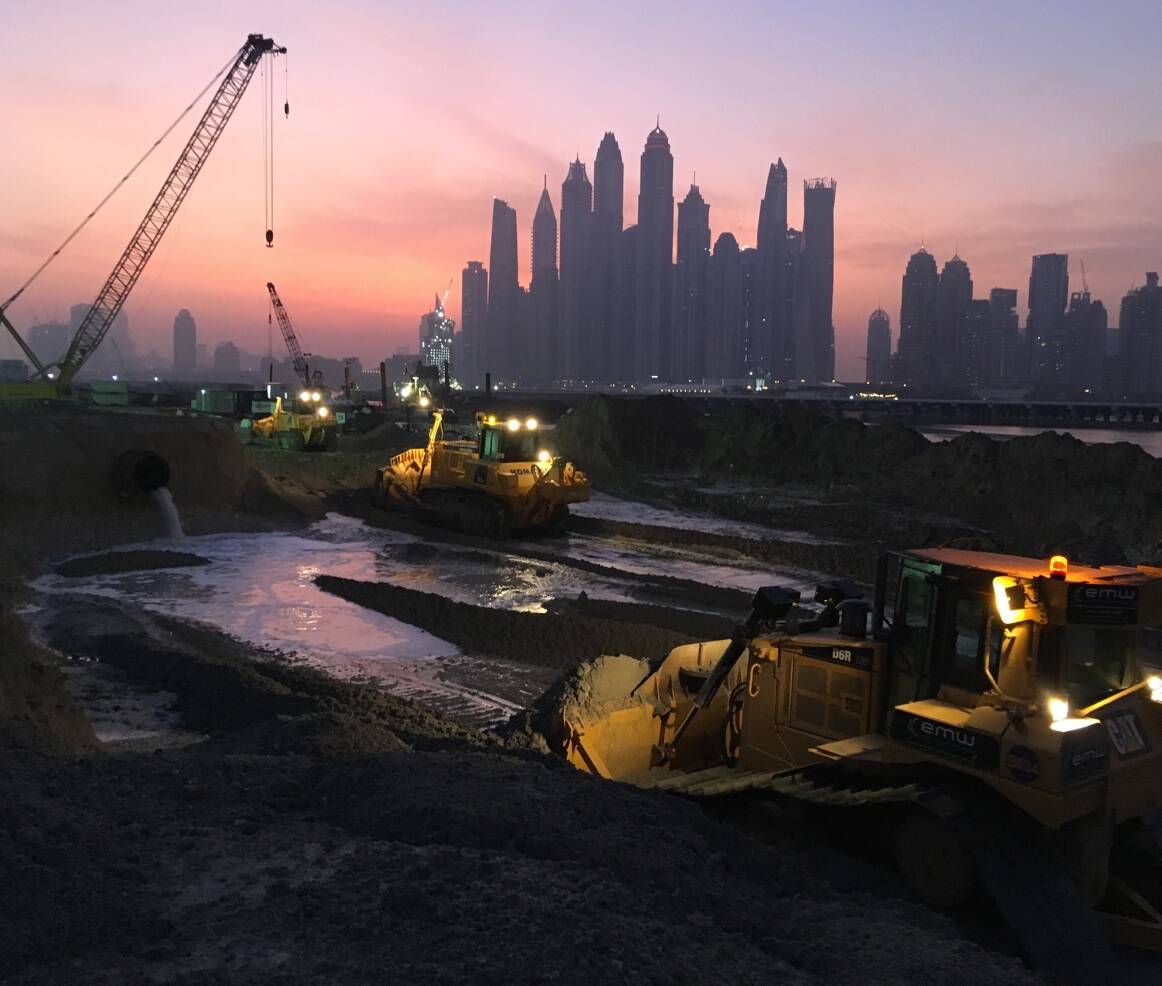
<point>173,523</point>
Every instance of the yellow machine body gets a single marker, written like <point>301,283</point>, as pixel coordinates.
<point>298,425</point>
<point>501,482</point>
<point>981,675</point>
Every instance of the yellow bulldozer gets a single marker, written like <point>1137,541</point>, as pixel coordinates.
<point>303,425</point>
<point>996,720</point>
<point>502,482</point>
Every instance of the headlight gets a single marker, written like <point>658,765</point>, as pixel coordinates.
<point>531,424</point>
<point>544,456</point>
<point>1154,683</point>
<point>316,396</point>
<point>322,412</point>
<point>304,395</point>
<point>406,392</point>
<point>1058,709</point>
<point>513,424</point>
<point>424,402</point>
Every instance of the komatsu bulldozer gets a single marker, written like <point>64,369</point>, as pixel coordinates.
<point>303,425</point>
<point>996,716</point>
<point>504,481</point>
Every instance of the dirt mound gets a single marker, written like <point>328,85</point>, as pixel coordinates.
<point>1036,495</point>
<point>529,638</point>
<point>59,495</point>
<point>607,435</point>
<point>460,867</point>
<point>115,562</point>
<point>36,712</point>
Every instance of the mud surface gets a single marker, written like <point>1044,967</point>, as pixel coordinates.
<point>115,562</point>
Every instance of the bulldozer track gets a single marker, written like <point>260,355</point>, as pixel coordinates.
<point>1057,931</point>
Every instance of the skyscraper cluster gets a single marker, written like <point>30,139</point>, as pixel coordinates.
<point>949,341</point>
<point>607,303</point>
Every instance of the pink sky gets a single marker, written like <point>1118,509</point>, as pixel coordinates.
<point>999,130</point>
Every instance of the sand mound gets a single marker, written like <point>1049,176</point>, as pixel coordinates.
<point>1036,495</point>
<point>115,562</point>
<point>530,638</point>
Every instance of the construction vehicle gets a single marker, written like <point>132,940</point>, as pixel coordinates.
<point>290,337</point>
<point>304,423</point>
<point>503,481</point>
<point>56,377</point>
<point>997,719</point>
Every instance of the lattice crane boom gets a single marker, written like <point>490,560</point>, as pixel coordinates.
<point>113,294</point>
<point>288,334</point>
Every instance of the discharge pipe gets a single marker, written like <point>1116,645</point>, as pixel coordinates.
<point>138,471</point>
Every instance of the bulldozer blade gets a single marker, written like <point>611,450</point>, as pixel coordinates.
<point>1059,934</point>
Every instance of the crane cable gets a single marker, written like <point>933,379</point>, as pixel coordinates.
<point>129,174</point>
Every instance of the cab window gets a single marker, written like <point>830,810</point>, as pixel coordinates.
<point>490,443</point>
<point>520,446</point>
<point>1087,663</point>
<point>972,631</point>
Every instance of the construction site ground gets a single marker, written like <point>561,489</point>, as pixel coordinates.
<point>251,815</point>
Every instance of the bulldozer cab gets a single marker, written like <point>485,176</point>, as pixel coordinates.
<point>508,439</point>
<point>961,625</point>
<point>943,633</point>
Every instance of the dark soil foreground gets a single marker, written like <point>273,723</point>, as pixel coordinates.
<point>324,833</point>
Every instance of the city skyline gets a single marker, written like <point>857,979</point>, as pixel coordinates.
<point>362,240</point>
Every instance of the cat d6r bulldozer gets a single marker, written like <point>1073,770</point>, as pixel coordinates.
<point>504,481</point>
<point>996,717</point>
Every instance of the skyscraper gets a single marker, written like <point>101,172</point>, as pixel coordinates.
<point>918,320</point>
<point>953,296</point>
<point>185,345</point>
<point>49,340</point>
<point>1048,294</point>
<point>576,227</point>
<point>473,314</point>
<point>1004,360</point>
<point>879,348</point>
<point>607,325</point>
<point>227,362</point>
<point>772,344</point>
<point>543,291</point>
<point>689,305</point>
<point>1086,326</point>
<point>500,349</point>
<point>748,271</point>
<point>655,252</point>
<point>622,356</point>
<point>817,361</point>
<point>725,346</point>
<point>974,339</point>
<point>437,334</point>
<point>1140,338</point>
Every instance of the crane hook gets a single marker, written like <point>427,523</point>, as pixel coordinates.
<point>270,237</point>
<point>286,109</point>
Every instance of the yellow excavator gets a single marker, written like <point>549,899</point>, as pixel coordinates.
<point>303,425</point>
<point>999,719</point>
<point>504,481</point>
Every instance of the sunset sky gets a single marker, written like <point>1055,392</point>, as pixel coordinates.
<point>997,130</point>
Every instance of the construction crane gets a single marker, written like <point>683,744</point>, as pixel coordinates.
<point>302,370</point>
<point>93,328</point>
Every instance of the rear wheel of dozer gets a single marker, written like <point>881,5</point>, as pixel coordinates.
<point>934,859</point>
